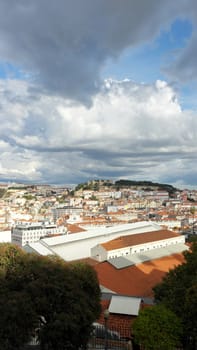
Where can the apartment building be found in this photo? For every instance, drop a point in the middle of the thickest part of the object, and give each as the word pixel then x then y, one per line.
pixel 22 234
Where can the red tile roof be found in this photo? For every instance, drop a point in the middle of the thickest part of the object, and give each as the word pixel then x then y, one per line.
pixel 135 239
pixel 136 280
pixel 73 228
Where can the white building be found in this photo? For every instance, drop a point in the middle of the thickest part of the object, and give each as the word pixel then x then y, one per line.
pixel 78 246
pixel 138 243
pixel 22 234
pixel 60 211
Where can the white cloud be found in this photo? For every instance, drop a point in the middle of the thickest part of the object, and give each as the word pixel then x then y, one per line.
pixel 47 133
pixel 132 130
pixel 64 45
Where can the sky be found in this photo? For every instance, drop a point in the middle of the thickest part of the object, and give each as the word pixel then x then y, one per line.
pixel 102 89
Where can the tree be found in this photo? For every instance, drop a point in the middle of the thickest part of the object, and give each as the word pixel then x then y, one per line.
pixel 157 328
pixel 17 316
pixel 178 292
pixel 9 256
pixel 59 300
pixel 18 319
pixel 191 307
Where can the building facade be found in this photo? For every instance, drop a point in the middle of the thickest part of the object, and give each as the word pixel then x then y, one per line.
pixel 22 234
pixel 133 244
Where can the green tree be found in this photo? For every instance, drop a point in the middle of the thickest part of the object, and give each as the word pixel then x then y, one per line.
pixel 178 292
pixel 157 328
pixel 58 299
pixel 17 315
pixel 18 319
pixel 9 257
pixel 29 197
pixel 2 192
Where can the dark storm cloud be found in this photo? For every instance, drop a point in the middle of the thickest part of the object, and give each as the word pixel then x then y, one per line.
pixel 184 67
pixel 63 45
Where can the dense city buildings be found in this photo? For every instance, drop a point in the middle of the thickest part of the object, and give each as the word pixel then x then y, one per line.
pixel 132 235
pixel 98 203
pixel 122 226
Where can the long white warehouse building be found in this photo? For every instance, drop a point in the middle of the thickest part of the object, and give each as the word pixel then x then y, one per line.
pixel 78 246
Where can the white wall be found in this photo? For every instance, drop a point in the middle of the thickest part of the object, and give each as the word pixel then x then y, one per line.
pixel 5 237
pixel 145 247
pixel 78 245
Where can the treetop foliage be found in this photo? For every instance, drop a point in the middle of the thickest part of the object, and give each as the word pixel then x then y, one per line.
pixel 129 183
pixel 172 321
pixel 45 296
pixel 95 185
pixel 156 328
pixel 178 292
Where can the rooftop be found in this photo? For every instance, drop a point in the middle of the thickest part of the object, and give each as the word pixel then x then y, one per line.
pixel 141 238
pixel 138 258
pixel 137 280
pixel 133 228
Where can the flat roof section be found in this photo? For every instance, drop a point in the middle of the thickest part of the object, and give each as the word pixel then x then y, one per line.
pixel 157 253
pixel 102 231
pixel 38 248
pixel 124 305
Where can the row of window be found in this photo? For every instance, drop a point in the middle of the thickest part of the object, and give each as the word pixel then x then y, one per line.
pixel 144 249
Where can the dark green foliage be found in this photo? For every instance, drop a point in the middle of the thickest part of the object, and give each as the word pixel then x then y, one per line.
pixel 29 197
pixel 157 328
pixel 147 184
pixel 2 192
pixel 178 291
pixel 60 300
pixel 94 186
pixel 17 319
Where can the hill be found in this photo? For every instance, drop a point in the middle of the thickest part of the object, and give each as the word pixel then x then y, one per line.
pixel 96 185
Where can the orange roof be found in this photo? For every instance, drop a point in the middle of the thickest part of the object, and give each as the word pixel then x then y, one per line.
pixel 73 228
pixel 140 238
pixel 136 280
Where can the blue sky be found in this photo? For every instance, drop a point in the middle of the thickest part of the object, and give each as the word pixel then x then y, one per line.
pixel 96 89
pixel 143 63
pixel 148 62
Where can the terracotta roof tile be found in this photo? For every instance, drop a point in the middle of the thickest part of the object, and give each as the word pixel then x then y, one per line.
pixel 136 280
pixel 135 239
pixel 73 228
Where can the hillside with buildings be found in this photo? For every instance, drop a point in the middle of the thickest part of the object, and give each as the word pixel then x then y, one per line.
pixel 122 225
pixel 132 234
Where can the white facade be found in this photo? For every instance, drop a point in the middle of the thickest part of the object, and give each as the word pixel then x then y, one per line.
pixel 27 233
pixel 140 248
pixel 5 236
pixel 65 210
pixel 79 245
pixel 101 254
pixel 170 223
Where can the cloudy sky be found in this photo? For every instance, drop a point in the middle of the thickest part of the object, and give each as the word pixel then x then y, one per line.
pixel 98 89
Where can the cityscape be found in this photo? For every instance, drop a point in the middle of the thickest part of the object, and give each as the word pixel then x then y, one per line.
pixel 98 175
pixel 124 229
pixel 63 221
